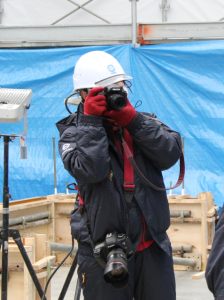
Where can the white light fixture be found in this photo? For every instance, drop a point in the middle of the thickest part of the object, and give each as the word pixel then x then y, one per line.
pixel 13 104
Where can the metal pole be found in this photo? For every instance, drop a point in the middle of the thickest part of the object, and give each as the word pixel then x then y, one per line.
pixel 55 167
pixel 1 11
pixel 58 247
pixel 164 7
pixel 29 218
pixel 134 21
pixel 5 233
pixel 190 262
pixel 5 212
pixel 180 213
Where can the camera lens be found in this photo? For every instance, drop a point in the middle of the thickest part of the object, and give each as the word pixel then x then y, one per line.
pixel 116 97
pixel 117 101
pixel 116 271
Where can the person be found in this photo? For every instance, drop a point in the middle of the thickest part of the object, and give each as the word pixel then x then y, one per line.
pixel 214 272
pixel 120 223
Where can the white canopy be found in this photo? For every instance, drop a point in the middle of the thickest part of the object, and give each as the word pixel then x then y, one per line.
pixel 96 22
pixel 85 12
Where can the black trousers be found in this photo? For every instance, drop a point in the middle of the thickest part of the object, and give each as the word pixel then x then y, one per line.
pixel 151 277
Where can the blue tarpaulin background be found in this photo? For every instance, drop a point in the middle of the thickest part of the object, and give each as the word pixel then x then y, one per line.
pixel 183 84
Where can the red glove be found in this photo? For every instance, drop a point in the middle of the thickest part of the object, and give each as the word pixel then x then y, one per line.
pixel 123 116
pixel 95 104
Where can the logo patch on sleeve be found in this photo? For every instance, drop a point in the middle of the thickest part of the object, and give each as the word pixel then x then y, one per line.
pixel 65 147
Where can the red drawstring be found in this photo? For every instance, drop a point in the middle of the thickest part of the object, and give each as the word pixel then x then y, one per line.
pixel 143 244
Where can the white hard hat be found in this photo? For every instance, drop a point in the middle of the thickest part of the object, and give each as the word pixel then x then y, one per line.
pixel 97 68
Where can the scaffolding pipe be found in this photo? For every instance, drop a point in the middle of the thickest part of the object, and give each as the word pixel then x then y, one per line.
pixel 134 21
pixel 25 219
pixel 88 11
pixel 71 12
pixel 32 224
pixel 190 262
pixel 180 213
pixel 164 7
pixel 58 247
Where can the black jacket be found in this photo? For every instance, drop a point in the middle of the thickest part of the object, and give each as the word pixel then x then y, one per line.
pixel 215 267
pixel 88 153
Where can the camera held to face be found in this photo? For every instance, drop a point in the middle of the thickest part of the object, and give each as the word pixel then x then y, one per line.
pixel 116 97
pixel 113 255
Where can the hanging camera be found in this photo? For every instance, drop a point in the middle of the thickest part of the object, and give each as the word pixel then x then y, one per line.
pixel 113 255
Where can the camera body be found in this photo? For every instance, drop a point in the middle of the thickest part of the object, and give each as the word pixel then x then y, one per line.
pixel 112 255
pixel 116 97
pixel 112 240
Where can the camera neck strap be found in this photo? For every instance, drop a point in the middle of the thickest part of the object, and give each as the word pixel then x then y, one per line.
pixel 129 177
pixel 130 166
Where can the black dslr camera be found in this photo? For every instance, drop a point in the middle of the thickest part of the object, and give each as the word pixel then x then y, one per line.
pixel 112 254
pixel 116 97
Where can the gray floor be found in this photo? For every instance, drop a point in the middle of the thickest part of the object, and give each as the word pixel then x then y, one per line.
pixel 187 288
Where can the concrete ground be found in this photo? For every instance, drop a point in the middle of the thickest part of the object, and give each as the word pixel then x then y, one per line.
pixel 187 288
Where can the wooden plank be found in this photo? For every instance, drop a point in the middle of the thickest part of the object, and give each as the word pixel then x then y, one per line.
pixel 29 288
pixel 44 262
pixel 198 275
pixel 198 230
pixel 51 228
pixel 15 286
pixel 69 198
pixel 62 227
pixel 42 276
pixel 16 278
pixel 204 229
pixel 186 196
pixel 41 246
pixel 23 206
pixel 185 234
pixel 27 200
pixel 188 201
pixel 41 252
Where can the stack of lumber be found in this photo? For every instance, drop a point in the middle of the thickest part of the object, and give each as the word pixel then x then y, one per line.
pixel 192 229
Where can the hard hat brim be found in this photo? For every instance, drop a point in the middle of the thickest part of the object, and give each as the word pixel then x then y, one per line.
pixel 113 79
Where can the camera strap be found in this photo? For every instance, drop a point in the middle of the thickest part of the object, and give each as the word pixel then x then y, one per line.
pixel 128 154
pixel 129 178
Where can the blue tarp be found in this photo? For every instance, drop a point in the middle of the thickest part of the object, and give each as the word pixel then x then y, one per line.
pixel 183 84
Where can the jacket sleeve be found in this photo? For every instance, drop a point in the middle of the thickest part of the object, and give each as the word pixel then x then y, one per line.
pixel 214 272
pixel 156 140
pixel 84 150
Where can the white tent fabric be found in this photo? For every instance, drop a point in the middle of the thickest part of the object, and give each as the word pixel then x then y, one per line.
pixel 81 12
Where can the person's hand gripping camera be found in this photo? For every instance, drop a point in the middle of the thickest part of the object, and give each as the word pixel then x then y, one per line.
pixel 95 103
pixel 123 116
pixel 98 103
